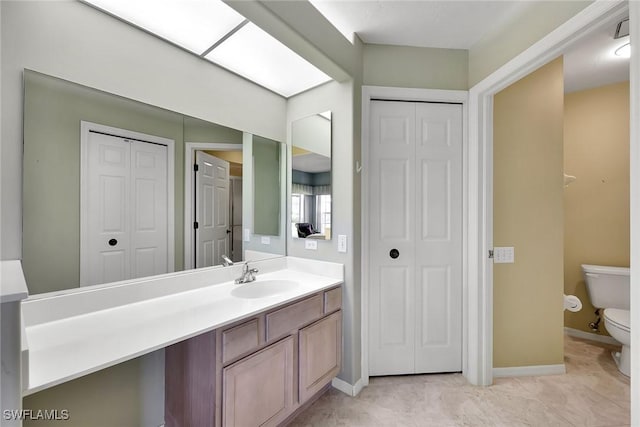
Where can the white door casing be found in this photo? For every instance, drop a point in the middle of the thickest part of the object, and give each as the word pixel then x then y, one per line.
pixel 126 204
pixel 212 210
pixel 415 209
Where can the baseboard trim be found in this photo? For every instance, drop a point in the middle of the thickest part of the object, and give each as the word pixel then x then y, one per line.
pixel 346 388
pixel 529 371
pixel 577 333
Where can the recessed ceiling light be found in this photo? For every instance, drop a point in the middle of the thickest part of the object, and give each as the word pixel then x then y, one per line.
pixel 624 51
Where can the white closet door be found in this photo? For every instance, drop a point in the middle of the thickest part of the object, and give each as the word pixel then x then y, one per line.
pixel 415 307
pixel 212 210
pixel 438 238
pixel 149 209
pixel 392 227
pixel 125 207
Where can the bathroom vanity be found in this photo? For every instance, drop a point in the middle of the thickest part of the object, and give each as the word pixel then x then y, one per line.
pixel 259 370
pixel 249 354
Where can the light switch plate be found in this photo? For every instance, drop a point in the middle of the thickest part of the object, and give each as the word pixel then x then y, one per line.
pixel 504 255
pixel 247 235
pixel 311 244
pixel 266 240
pixel 342 243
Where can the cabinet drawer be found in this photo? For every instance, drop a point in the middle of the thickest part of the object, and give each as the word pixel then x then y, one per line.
pixel 240 339
pixel 286 319
pixel 332 300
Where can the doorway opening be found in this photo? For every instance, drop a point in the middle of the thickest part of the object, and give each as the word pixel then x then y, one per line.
pixel 213 203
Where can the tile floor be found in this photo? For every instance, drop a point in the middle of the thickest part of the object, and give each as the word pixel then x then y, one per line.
pixel 591 393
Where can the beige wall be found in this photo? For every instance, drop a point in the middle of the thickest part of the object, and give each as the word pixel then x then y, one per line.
pixel 534 21
pixel 403 66
pixel 528 214
pixel 596 216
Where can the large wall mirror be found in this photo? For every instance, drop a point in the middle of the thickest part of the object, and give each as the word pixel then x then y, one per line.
pixel 109 186
pixel 311 177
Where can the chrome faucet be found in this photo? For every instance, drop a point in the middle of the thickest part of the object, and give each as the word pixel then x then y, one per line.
pixel 226 261
pixel 248 274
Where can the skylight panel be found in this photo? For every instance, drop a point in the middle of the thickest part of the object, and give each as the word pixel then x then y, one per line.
pixel 195 25
pixel 257 56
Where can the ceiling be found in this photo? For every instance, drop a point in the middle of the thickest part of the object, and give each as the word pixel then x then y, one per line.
pixel 588 63
pixel 591 62
pixel 439 24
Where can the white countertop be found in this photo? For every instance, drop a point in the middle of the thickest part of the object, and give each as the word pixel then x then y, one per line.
pixel 13 287
pixel 61 348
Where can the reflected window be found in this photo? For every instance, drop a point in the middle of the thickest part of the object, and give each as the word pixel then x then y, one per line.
pixel 324 202
pixel 297 208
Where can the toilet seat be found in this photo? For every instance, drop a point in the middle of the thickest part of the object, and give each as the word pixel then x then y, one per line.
pixel 621 319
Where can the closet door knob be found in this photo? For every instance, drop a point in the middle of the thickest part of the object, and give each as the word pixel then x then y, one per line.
pixel 394 253
pixel 113 242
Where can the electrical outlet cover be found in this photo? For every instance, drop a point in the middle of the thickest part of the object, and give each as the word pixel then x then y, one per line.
pixel 311 244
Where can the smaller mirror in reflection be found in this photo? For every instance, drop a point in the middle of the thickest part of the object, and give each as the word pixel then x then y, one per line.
pixel 311 177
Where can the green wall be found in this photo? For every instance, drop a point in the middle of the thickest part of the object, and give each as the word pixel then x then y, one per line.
pixel 266 184
pixel 420 67
pixel 53 109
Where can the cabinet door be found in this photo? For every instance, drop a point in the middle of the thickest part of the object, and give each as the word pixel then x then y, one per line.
pixel 320 354
pixel 258 390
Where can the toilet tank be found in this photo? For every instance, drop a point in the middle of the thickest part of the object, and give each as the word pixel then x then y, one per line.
pixel 608 287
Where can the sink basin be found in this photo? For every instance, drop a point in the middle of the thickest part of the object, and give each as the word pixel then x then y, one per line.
pixel 263 288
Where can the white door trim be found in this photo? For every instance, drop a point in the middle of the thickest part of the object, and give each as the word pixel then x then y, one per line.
pixel 480 271
pixel 634 143
pixel 190 149
pixel 370 93
pixel 85 128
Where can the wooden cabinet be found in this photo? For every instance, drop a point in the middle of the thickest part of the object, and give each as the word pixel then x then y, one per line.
pixel 259 389
pixel 320 354
pixel 259 370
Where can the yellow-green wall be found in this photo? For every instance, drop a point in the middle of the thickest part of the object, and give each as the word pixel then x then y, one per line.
pixel 528 215
pixel 596 216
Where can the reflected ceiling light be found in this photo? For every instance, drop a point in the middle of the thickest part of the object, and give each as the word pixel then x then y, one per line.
pixel 624 51
pixel 194 25
pixel 257 56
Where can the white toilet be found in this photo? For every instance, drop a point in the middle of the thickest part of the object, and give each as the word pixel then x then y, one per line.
pixel 609 288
